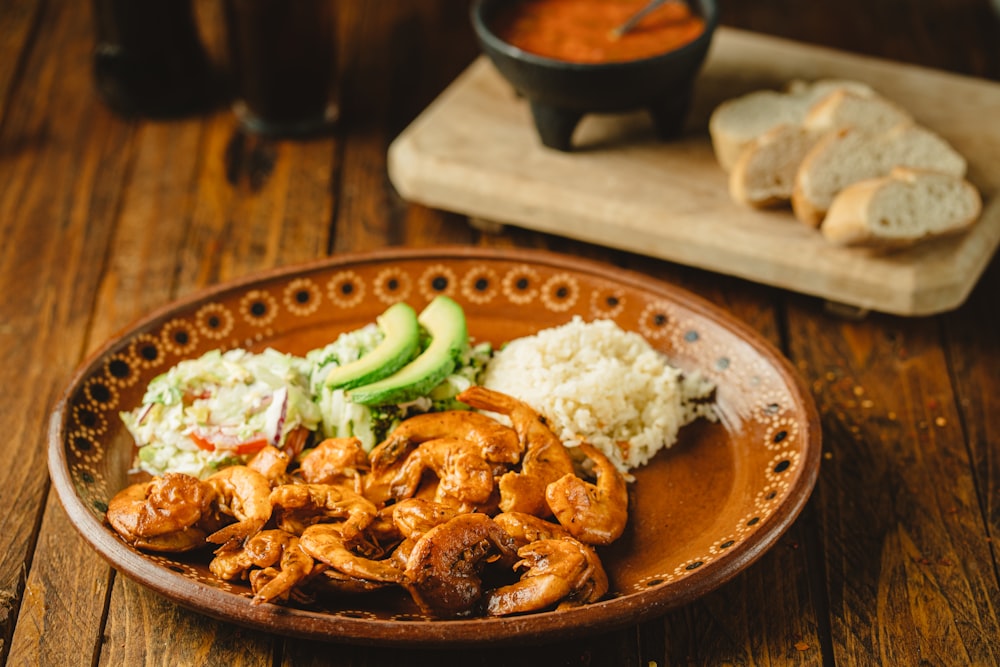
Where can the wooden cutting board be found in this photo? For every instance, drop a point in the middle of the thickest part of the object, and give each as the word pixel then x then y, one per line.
pixel 474 151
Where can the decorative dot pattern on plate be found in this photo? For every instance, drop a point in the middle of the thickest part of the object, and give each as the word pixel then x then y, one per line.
pixel 345 289
pixel 302 297
pixel 521 284
pixel 437 279
pixel 504 297
pixel 480 286
pixel 392 285
pixel 560 292
pixel 607 303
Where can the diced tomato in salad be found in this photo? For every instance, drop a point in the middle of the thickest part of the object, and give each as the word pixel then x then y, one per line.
pixel 240 448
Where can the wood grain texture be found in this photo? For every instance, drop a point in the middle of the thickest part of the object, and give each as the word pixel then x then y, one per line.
pixel 103 219
pixel 909 551
pixel 52 180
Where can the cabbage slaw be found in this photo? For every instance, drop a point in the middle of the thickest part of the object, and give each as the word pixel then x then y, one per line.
pixel 221 408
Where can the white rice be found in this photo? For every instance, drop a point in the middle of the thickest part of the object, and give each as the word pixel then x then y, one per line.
pixel 599 383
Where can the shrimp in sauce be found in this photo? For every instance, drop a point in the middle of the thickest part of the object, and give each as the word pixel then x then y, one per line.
pixel 527 529
pixel 326 543
pixel 553 570
pixel 462 473
pixel 244 494
pixel 298 506
pixel 266 549
pixel 336 461
pixel 272 463
pixel 546 459
pixel 443 572
pixel 496 442
pixel 165 514
pixel 413 517
pixel 592 513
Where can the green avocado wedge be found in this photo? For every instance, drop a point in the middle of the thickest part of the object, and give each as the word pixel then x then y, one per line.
pixel 444 322
pixel 400 344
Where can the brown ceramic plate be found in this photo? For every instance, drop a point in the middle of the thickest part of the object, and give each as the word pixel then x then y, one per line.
pixel 700 512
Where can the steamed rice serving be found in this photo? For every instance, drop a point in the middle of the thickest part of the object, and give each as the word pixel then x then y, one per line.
pixel 599 383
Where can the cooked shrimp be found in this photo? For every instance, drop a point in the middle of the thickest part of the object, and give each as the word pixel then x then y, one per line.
pixel 378 485
pixel 326 542
pixel 526 529
pixel 496 442
pixel 592 513
pixel 443 572
pixel 545 460
pixel 335 461
pixel 462 472
pixel 296 441
pixel 412 518
pixel 294 566
pixel 382 532
pixel 272 463
pixel 164 514
pixel 260 579
pixel 266 549
pixel 297 506
pixel 415 516
pixel 554 569
pixel 242 493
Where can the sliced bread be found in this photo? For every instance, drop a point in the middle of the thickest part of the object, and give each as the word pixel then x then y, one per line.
pixel 764 173
pixel 847 156
pixel 901 209
pixel 738 121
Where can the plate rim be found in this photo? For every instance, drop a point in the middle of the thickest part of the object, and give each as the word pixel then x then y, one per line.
pixel 537 627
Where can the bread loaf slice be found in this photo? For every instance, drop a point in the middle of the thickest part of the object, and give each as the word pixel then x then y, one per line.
pixel 764 173
pixel 738 121
pixel 847 156
pixel 901 209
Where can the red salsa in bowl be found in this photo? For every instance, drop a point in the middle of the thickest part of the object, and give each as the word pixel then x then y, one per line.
pixel 581 31
pixel 562 57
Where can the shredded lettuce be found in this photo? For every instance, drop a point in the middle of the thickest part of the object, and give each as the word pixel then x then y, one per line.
pixel 217 410
pixel 205 413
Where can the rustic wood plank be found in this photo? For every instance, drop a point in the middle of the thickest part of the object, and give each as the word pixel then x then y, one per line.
pixel 766 615
pixel 612 648
pixel 62 613
pixel 905 559
pixel 54 180
pixel 154 631
pixel 258 203
pixel 422 46
pixel 150 226
pixel 19 19
pixel 972 348
pixel 934 34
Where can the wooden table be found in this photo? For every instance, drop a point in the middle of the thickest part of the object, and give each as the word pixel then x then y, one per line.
pixel 895 559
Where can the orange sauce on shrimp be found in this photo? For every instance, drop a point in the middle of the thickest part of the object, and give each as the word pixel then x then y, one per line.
pixel 579 31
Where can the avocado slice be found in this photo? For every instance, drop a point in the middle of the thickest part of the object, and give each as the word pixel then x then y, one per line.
pixel 445 323
pixel 400 344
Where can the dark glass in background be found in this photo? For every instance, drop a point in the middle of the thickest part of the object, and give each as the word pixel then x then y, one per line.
pixel 282 61
pixel 149 59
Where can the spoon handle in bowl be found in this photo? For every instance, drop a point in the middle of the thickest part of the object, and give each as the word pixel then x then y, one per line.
pixel 653 5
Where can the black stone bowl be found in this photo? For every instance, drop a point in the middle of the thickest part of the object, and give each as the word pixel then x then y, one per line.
pixel 561 93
